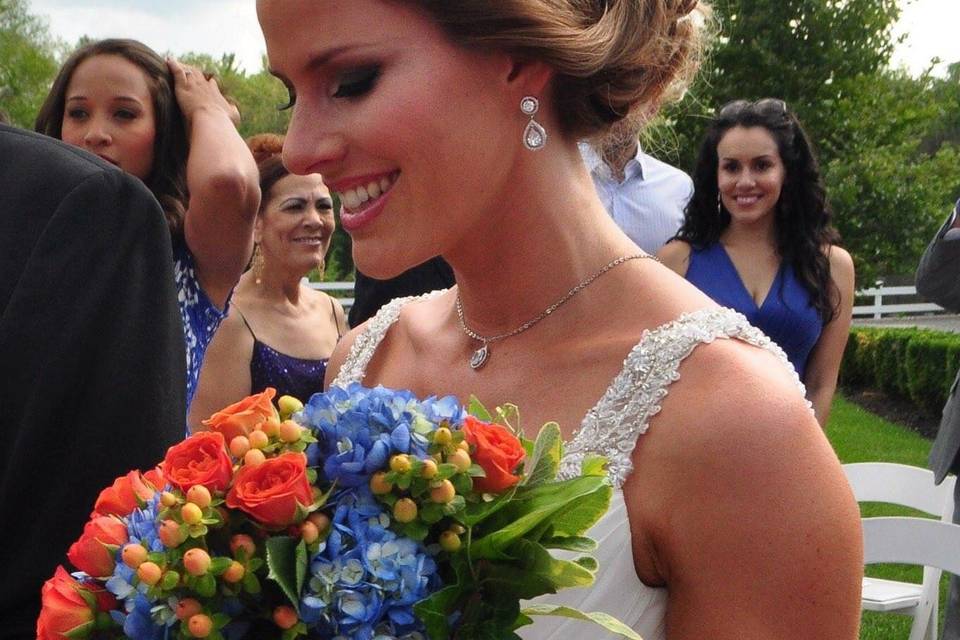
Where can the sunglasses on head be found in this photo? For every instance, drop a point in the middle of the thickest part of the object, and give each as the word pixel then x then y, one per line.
pixel 764 105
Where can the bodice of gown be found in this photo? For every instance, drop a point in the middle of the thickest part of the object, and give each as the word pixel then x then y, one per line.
pixel 610 429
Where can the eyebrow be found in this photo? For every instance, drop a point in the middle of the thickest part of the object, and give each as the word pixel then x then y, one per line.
pixel 320 60
pixel 115 99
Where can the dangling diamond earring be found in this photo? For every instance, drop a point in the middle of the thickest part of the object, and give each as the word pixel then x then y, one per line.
pixel 534 136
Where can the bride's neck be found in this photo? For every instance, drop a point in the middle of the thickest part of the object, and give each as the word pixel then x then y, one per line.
pixel 550 231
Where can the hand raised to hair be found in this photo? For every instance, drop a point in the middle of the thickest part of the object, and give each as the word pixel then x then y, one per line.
pixel 196 92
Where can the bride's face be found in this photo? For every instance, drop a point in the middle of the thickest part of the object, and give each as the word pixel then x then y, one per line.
pixel 414 132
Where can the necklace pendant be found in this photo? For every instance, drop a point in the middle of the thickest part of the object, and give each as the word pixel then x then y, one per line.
pixel 479 357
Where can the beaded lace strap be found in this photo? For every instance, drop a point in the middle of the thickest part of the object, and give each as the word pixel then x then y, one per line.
pixel 354 367
pixel 612 427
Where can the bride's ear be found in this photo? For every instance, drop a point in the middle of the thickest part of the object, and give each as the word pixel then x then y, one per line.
pixel 529 77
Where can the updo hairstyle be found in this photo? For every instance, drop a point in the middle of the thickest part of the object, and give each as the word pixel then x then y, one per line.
pixel 612 57
pixel 266 149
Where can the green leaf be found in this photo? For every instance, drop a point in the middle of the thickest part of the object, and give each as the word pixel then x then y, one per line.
pixel 431 513
pixel 535 560
pixel 477 410
pixel 462 483
pixel 578 502
pixel 570 543
pixel 251 584
pixel 476 513
pixel 206 585
pixel 435 610
pixel 219 565
pixel 547 452
pixel 220 620
pixel 588 562
pixel 287 564
pixel 81 631
pixel 606 621
pixel 593 466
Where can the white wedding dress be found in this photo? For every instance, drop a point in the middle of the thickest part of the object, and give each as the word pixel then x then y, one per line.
pixel 611 429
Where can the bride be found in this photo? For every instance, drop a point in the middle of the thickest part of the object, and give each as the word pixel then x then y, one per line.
pixel 451 128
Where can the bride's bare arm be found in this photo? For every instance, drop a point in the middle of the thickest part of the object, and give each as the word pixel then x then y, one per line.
pixel 741 507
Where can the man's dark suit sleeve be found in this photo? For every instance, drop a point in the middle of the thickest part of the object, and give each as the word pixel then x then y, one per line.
pixel 91 374
pixel 938 275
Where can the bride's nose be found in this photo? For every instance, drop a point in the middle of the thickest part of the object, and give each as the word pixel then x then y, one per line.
pixel 312 145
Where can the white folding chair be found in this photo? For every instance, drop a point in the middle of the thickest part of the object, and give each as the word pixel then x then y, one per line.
pixel 911 487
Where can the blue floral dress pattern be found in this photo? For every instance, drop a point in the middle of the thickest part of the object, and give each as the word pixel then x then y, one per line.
pixel 200 316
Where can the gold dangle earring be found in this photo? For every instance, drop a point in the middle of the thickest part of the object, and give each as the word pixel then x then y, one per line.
pixel 534 136
pixel 256 264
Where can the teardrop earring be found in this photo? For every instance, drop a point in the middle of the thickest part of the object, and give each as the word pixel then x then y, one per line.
pixel 534 136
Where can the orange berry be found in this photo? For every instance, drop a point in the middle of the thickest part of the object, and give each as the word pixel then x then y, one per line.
pixel 170 534
pixel 460 459
pixel 321 520
pixel 442 436
pixel 379 485
pixel 134 555
pixel 443 492
pixel 463 444
pixel 234 573
pixel 239 446
pixel 285 617
pixel 258 439
pixel 400 463
pixel 168 499
pixel 200 625
pixel 288 405
pixel 191 513
pixel 149 573
pixel 270 427
pixel 242 541
pixel 289 431
pixel 309 532
pixel 187 608
pixel 254 457
pixel 405 510
pixel 429 469
pixel 450 541
pixel 196 561
pixel 199 495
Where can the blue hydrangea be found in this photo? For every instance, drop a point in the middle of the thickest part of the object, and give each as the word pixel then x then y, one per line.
pixel 364 580
pixel 359 428
pixel 141 618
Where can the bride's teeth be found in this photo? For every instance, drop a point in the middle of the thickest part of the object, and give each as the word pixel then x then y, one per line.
pixel 374 190
pixel 384 185
pixel 362 193
pixel 350 199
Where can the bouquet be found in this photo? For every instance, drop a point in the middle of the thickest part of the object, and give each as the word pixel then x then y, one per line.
pixel 365 514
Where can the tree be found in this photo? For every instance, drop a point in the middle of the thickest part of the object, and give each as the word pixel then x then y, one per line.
pixel 28 62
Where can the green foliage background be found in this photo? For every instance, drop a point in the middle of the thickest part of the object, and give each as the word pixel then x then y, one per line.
pixel 888 142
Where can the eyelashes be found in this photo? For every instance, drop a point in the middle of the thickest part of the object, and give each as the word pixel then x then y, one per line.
pixel 353 83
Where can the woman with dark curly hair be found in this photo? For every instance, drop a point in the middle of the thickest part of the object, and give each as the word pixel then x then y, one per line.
pixel 757 238
pixel 168 124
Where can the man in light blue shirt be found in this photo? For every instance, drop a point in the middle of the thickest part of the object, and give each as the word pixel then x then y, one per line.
pixel 643 195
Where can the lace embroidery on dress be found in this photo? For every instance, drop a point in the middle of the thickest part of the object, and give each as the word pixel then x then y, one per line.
pixel 622 415
pixel 612 426
pixel 354 366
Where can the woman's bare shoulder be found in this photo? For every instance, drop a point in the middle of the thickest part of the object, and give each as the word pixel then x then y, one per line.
pixel 675 255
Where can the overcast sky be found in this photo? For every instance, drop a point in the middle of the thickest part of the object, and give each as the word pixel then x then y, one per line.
pixel 218 26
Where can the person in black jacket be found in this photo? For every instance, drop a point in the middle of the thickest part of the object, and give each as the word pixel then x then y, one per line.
pixel 370 294
pixel 91 352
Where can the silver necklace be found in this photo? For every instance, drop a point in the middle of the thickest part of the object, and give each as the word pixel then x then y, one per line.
pixel 481 355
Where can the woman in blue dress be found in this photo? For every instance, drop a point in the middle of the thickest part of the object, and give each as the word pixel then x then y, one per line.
pixel 280 332
pixel 168 124
pixel 757 238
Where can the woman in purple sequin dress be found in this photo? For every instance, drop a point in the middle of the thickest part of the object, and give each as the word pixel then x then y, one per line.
pixel 279 332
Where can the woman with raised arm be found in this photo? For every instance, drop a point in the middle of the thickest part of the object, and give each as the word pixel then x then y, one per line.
pixel 451 128
pixel 168 124
pixel 757 238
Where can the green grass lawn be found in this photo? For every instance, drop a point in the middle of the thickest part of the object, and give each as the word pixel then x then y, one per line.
pixel 860 436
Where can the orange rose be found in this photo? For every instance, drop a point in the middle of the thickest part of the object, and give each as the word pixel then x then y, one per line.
pixel 200 459
pixel 240 418
pixel 497 451
pixel 127 493
pixel 95 552
pixel 64 608
pixel 271 491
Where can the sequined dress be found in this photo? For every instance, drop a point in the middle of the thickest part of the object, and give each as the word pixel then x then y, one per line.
pixel 611 429
pixel 200 316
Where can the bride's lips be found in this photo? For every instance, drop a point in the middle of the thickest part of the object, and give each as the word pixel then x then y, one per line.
pixel 363 198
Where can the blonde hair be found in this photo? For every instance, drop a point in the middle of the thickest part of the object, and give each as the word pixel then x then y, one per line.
pixel 613 58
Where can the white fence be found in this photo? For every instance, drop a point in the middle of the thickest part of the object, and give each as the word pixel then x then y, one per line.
pixel 877 309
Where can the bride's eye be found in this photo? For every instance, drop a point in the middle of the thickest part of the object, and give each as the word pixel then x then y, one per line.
pixel 357 82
